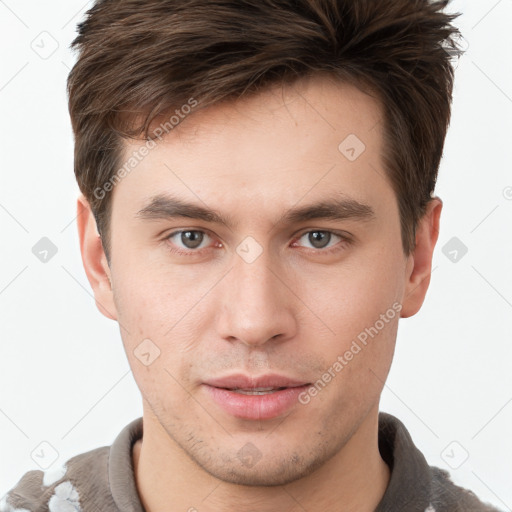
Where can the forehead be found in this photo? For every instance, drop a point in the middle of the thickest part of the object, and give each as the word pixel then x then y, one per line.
pixel 288 143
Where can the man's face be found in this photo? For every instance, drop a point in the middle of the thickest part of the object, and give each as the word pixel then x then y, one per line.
pixel 268 292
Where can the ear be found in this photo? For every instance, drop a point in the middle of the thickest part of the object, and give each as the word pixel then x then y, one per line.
pixel 94 259
pixel 419 263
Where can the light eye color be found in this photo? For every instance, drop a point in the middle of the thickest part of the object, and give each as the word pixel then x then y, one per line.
pixel 320 239
pixel 188 239
pixel 194 241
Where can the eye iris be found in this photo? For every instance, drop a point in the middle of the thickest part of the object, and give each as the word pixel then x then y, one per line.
pixel 319 239
pixel 191 239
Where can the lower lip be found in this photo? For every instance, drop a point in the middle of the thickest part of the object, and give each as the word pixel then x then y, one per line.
pixel 256 407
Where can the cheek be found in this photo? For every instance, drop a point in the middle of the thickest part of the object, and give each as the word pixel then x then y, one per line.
pixel 353 296
pixel 149 316
pixel 158 313
pixel 361 304
pixel 152 299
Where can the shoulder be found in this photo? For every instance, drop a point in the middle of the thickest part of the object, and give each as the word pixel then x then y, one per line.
pixel 446 496
pixel 58 489
pixel 414 484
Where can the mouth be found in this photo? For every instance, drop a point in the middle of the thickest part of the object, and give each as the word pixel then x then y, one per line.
pixel 255 391
pixel 264 383
pixel 255 398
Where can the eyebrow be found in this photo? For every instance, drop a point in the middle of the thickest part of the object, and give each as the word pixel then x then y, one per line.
pixel 162 207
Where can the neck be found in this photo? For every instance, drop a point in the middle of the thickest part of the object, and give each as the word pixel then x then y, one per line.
pixel 354 479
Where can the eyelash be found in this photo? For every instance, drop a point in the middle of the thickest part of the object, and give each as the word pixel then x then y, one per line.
pixel 345 240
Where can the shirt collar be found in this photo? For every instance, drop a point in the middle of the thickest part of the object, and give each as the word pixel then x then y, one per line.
pixel 409 485
pixel 408 488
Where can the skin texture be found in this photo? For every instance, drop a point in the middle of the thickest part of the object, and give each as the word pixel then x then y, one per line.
pixel 291 311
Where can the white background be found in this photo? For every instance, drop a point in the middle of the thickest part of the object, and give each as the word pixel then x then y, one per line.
pixel 64 377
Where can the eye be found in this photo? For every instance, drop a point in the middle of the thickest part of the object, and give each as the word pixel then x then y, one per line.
pixel 189 240
pixel 320 239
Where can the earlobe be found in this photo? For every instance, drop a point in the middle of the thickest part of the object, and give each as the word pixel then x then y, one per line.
pixel 94 259
pixel 419 264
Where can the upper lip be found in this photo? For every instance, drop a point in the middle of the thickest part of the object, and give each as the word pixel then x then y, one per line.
pixel 242 381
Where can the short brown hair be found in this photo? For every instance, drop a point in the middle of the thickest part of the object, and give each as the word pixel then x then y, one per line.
pixel 141 59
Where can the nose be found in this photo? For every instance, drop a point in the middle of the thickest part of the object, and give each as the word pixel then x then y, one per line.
pixel 256 303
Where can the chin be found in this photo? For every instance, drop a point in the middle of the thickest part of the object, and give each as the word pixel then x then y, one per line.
pixel 244 470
